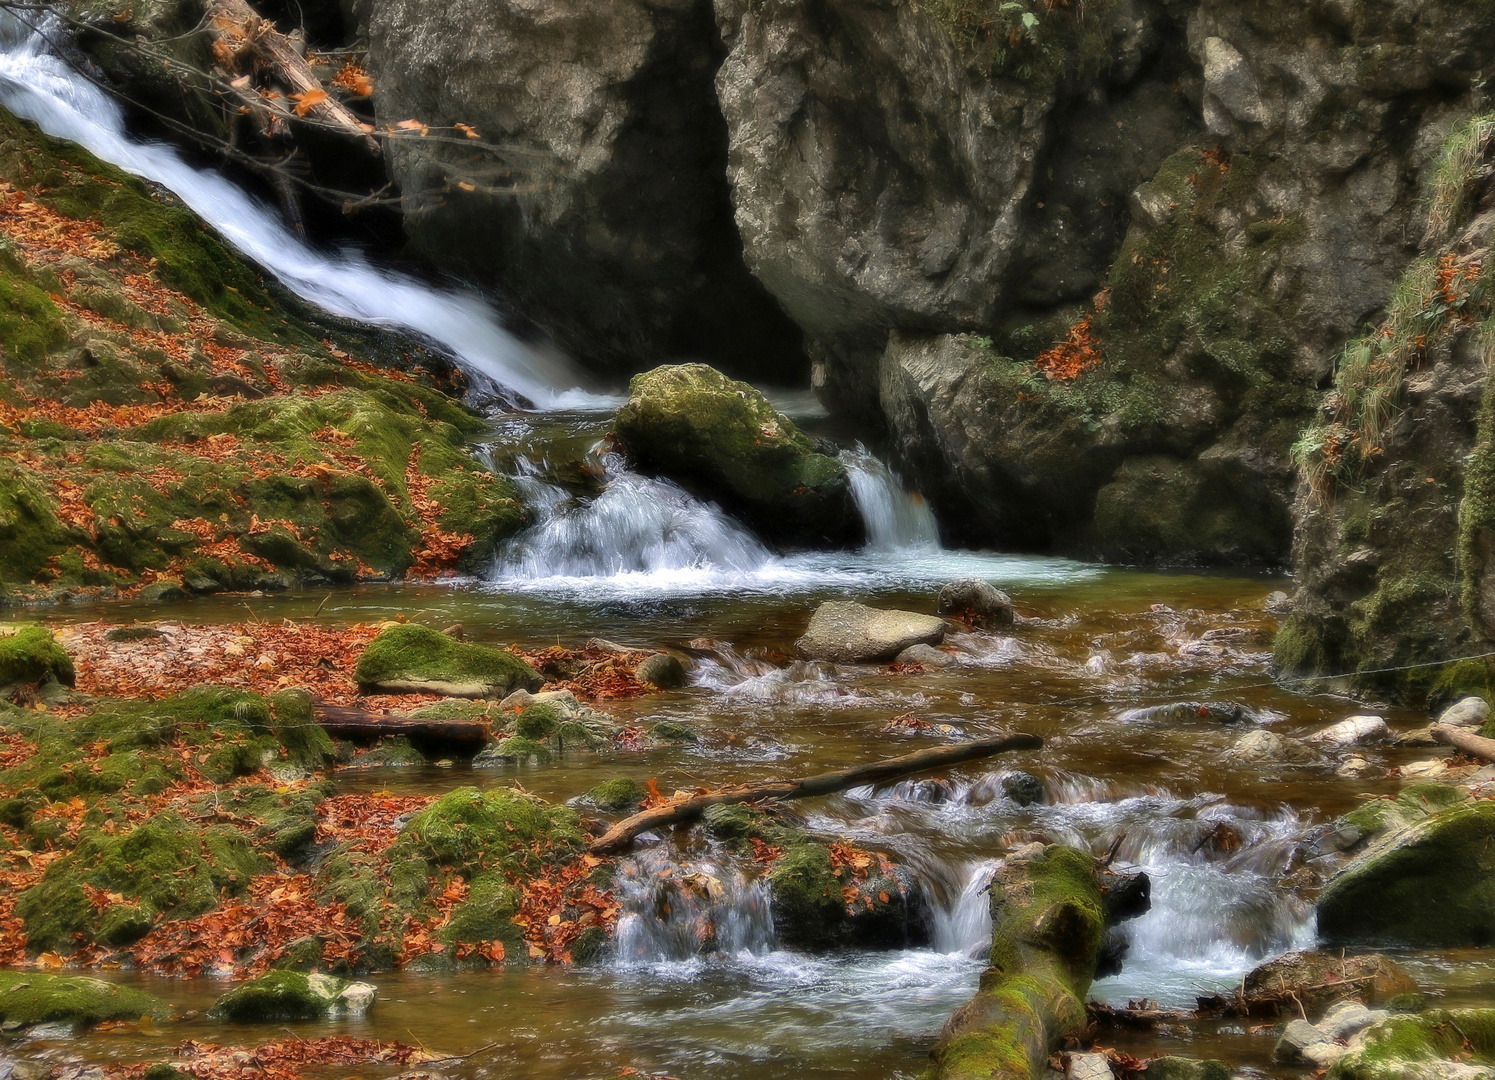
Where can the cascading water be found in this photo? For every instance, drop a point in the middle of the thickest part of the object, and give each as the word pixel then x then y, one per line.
pixel 40 86
pixel 895 519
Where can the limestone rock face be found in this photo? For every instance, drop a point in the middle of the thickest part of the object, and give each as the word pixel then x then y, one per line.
pixel 595 201
pixel 722 440
pixel 844 632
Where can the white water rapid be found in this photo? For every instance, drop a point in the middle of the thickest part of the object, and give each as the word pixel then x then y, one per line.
pixel 40 86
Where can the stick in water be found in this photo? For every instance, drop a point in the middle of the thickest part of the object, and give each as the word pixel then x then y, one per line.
pixel 623 833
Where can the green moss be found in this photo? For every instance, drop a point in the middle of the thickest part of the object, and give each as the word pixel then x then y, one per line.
pixel 487 915
pixel 624 794
pixel 29 998
pixel 1434 887
pixel 397 751
pixel 474 832
pixel 1299 648
pixel 412 654
pixel 1184 1068
pixel 672 731
pixel 168 865
pixel 1047 923
pixel 1041 46
pixel 1407 1045
pixel 30 324
pixel 279 996
pixel 806 897
pixel 32 655
pixel 537 722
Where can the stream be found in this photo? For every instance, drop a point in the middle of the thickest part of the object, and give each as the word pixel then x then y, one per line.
pixel 1109 665
pixel 1117 670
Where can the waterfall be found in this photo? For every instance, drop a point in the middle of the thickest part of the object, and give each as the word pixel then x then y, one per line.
pixel 895 519
pixel 41 87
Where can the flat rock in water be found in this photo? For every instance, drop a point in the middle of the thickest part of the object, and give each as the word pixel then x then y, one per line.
pixel 1304 1044
pixel 925 656
pixel 1269 747
pixel 845 632
pixel 1349 1018
pixel 1353 731
pixel 1088 1067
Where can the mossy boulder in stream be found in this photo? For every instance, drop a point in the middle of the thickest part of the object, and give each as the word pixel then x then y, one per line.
pixel 474 832
pixel 1440 1044
pixel 417 659
pixel 30 998
pixel 722 440
pixel 1047 924
pixel 821 902
pixel 1430 885
pixel 32 655
pixel 278 996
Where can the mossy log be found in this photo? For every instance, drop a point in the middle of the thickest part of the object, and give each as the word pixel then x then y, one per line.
pixel 1048 920
pixel 622 834
pixel 361 725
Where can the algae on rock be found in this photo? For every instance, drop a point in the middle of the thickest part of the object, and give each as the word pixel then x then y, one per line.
pixel 416 659
pixel 28 998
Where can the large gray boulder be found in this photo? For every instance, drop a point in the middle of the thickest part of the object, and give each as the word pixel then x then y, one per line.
pixel 722 440
pixel 595 200
pixel 845 632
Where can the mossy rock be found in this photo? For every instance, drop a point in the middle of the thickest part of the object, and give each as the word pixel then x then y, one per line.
pixel 511 751
pixel 33 654
pixel 417 659
pixel 723 441
pixel 1404 1046
pixel 303 954
pixel 475 832
pixel 672 731
pixel 397 751
pixel 280 996
pixel 1169 1067
pixel 806 897
pixel 31 998
pixel 622 795
pixel 537 722
pixel 167 865
pixel 487 915
pixel 1431 885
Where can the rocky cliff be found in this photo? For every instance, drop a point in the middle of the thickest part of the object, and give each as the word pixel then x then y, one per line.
pixel 1083 268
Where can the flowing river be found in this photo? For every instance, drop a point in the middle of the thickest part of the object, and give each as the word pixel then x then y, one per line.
pixel 1138 683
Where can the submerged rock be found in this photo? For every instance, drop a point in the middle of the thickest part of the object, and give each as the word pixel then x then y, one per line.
pixel 1268 746
pixel 845 632
pixel 976 603
pixel 30 998
pixel 279 996
pixel 416 659
pixel 925 656
pixel 1024 788
pixel 661 670
pixel 623 795
pixel 1430 885
pixel 722 440
pixel 1170 1067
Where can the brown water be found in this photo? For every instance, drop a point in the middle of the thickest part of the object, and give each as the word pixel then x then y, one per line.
pixel 1093 649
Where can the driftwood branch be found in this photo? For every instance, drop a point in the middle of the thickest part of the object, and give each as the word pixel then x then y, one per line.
pixel 359 725
pixel 623 833
pixel 237 29
pixel 1465 740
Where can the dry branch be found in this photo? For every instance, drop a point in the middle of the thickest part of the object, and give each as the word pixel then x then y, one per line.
pixel 1465 740
pixel 236 28
pixel 672 813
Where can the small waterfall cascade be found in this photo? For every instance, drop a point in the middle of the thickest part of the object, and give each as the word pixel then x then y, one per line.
pixel 634 526
pixel 651 530
pixel 896 519
pixel 679 911
pixel 41 87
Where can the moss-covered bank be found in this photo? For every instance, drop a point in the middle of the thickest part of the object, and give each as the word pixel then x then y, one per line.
pixel 169 421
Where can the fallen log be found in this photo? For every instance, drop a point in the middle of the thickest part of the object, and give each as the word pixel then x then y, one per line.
pixel 361 725
pixel 1465 740
pixel 623 833
pixel 236 28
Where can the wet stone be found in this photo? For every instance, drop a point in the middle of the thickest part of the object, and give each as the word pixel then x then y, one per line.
pixel 1024 788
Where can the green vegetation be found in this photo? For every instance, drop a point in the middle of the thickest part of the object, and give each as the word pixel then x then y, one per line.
pixel 1047 923
pixel 623 795
pixel 1409 1045
pixel 1041 45
pixel 279 996
pixel 411 655
pixel 28 998
pixel 31 655
pixel 474 832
